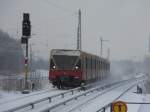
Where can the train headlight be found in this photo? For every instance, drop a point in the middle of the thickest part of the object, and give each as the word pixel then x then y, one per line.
pixel 76 67
pixel 54 67
pixel 76 77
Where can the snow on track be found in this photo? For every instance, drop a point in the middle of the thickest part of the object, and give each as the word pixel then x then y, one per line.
pixel 28 98
pixel 145 107
pixel 89 103
pixel 19 96
pixel 99 101
pixel 132 97
pixel 11 100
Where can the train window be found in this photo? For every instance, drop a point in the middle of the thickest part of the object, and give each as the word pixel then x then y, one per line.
pixel 99 64
pixel 86 61
pixel 95 63
pixel 90 70
pixel 86 67
pixel 91 64
pixel 65 61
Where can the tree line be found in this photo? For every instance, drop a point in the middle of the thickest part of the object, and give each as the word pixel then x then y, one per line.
pixel 11 54
pixel 12 57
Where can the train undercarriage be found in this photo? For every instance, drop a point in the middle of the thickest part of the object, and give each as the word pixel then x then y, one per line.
pixel 66 82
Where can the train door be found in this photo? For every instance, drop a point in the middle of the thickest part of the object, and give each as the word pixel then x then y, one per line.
pixel 89 68
pixel 102 70
pixel 84 67
pixel 96 72
pixel 92 71
pixel 100 76
pixel 98 68
pixel 92 67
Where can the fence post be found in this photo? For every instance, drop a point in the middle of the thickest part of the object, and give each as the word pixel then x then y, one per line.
pixel 111 108
pixel 62 95
pixel 49 99
pixel 104 109
pixel 32 105
pixel 72 92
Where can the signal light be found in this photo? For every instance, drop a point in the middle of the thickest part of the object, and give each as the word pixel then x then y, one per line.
pixel 26 61
pixel 54 67
pixel 26 26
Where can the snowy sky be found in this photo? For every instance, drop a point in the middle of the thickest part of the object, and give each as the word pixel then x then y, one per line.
pixel 126 23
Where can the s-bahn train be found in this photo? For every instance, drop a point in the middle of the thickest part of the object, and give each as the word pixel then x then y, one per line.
pixel 72 68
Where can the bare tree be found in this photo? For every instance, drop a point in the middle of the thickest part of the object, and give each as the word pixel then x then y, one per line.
pixel 11 55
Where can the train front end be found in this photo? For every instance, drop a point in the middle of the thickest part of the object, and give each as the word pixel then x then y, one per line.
pixel 65 68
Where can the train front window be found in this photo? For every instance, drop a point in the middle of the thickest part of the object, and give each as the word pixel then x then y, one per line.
pixel 65 62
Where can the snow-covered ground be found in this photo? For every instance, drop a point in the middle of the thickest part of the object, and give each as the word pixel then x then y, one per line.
pixel 21 99
pixel 14 95
pixel 145 107
pixel 90 103
pixel 8 103
pixel 5 96
pixel 132 97
pixel 102 100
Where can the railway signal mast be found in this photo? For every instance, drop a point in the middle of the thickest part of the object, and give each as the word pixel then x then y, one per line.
pixel 79 47
pixel 102 40
pixel 26 34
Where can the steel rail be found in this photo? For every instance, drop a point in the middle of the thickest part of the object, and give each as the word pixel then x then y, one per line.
pixel 62 95
pixel 109 105
pixel 96 96
pixel 137 102
pixel 22 97
pixel 47 109
pixel 48 98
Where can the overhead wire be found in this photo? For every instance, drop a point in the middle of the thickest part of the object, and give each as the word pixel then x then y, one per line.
pixel 60 7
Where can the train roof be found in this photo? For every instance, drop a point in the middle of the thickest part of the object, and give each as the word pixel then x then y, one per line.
pixel 68 52
pixel 72 52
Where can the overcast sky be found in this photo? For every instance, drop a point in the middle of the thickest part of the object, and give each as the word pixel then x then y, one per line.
pixel 125 23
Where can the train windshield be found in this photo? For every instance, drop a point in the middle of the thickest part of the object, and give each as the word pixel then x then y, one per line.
pixel 64 61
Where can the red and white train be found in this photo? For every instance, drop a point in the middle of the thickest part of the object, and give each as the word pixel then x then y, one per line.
pixel 72 68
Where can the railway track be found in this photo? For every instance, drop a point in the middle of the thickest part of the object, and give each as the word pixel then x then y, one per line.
pixel 102 94
pixel 102 97
pixel 28 95
pixel 16 102
pixel 36 98
pixel 44 92
pixel 70 104
pixel 57 99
